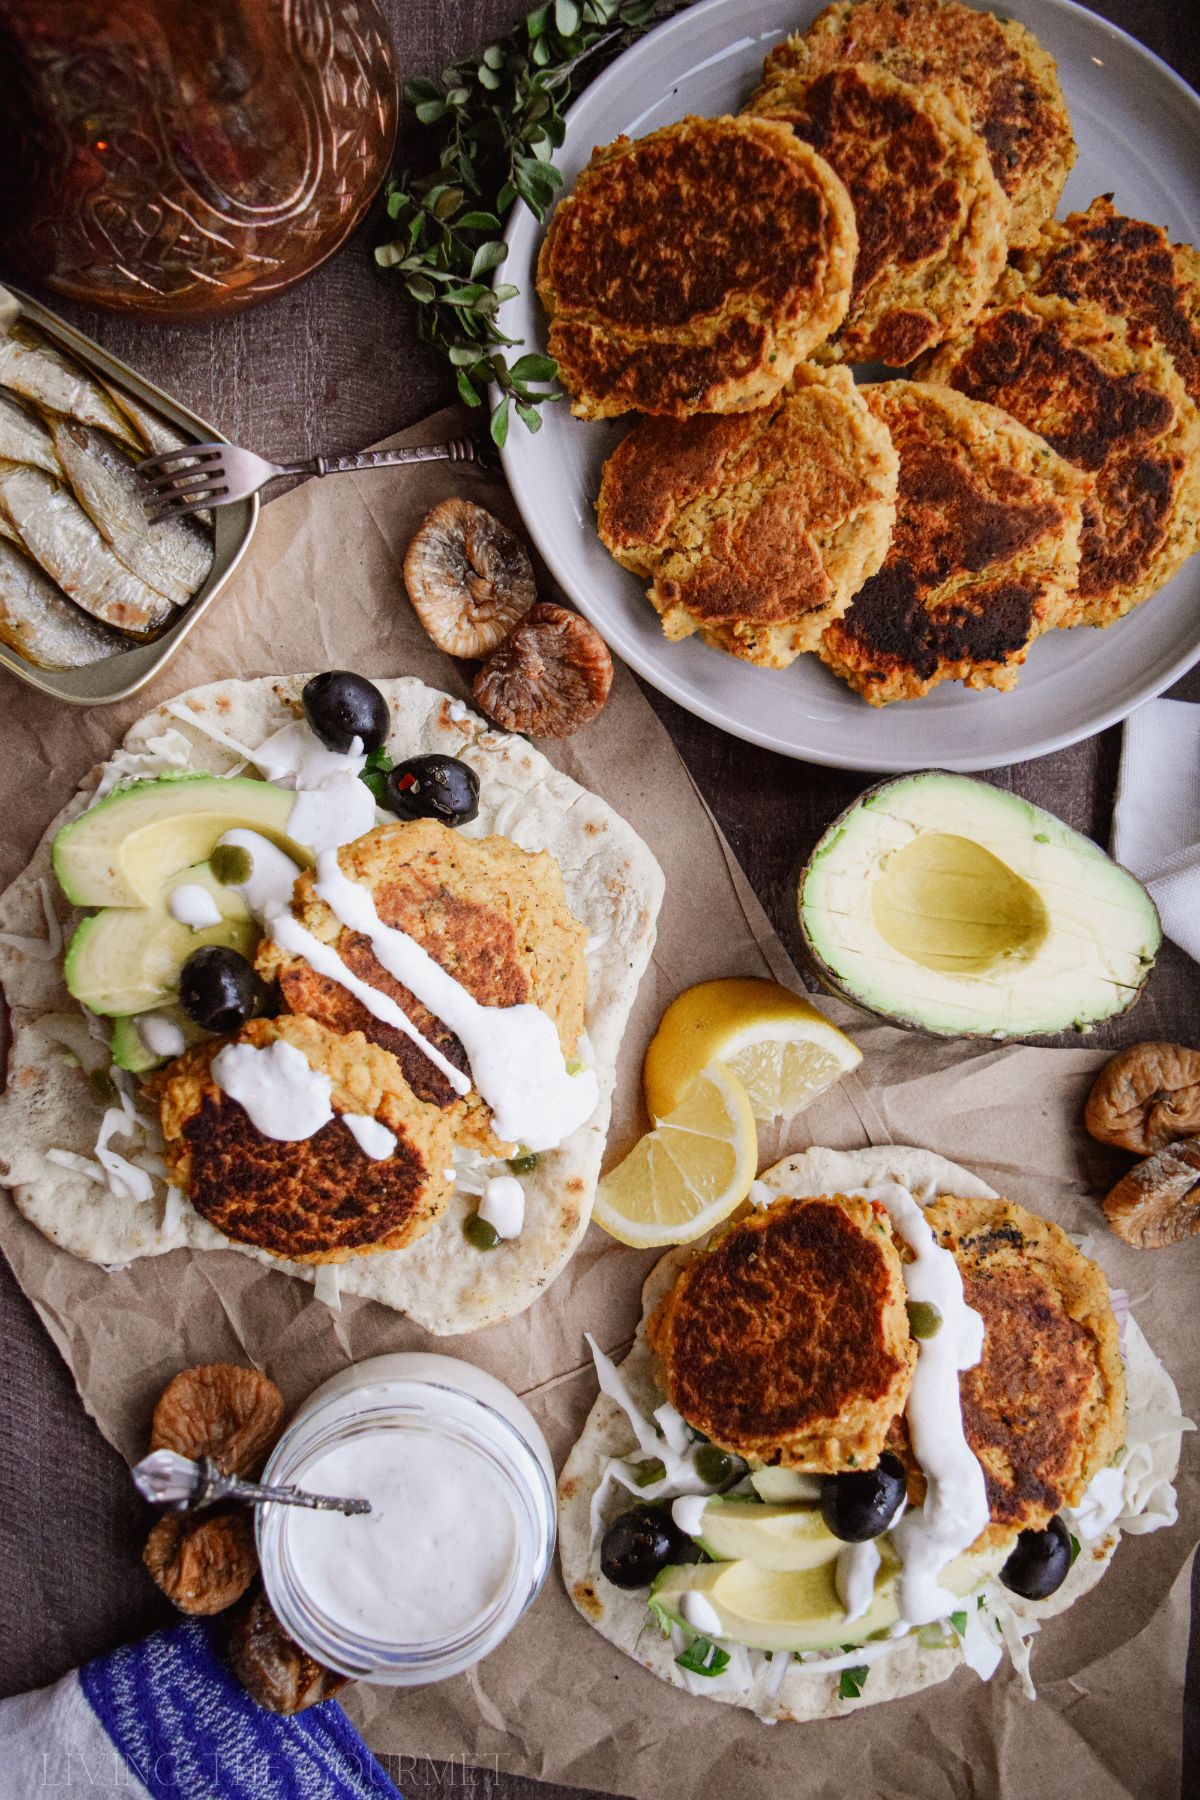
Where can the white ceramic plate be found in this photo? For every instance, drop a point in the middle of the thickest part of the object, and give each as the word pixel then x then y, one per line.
pixel 1138 126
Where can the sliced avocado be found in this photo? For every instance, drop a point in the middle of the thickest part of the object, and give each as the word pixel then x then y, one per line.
pixel 799 1609
pixel 785 1484
pixel 129 1048
pixel 122 851
pixel 777 1609
pixel 127 959
pixel 951 907
pixel 773 1537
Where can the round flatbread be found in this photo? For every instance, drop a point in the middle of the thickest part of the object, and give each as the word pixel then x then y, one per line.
pixel 50 1114
pixel 805 1692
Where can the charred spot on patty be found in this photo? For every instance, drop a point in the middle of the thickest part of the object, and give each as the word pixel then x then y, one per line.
pixel 300 1199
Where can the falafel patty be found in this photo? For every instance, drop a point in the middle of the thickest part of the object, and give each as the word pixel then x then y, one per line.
pixel 993 68
pixel 1045 1408
pixel 1126 267
pixel 755 530
pixel 691 270
pixel 1111 401
pixel 787 1338
pixel 985 554
pixel 932 219
pixel 322 1198
pixel 493 916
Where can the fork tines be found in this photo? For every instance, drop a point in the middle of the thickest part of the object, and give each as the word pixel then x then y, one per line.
pixel 183 481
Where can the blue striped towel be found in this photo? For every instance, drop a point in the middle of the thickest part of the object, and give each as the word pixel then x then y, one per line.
pixel 166 1718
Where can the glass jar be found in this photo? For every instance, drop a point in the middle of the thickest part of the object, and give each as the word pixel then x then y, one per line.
pixel 426 1407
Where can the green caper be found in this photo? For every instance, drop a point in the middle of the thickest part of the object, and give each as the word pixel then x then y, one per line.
pixel 525 1163
pixel 924 1319
pixel 231 864
pixel 104 1087
pixel 479 1232
pixel 713 1465
pixel 647 1473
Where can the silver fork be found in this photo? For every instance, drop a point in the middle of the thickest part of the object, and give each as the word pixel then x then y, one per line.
pixel 205 475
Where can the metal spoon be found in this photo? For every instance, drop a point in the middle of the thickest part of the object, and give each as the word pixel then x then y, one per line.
pixel 176 1482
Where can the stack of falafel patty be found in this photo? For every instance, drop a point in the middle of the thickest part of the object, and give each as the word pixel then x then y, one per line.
pixel 885 198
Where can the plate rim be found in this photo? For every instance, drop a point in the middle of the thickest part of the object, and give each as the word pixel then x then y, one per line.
pixel 649 667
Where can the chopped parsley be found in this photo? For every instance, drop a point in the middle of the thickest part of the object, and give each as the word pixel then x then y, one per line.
pixel 703 1657
pixel 959 1622
pixel 1074 1547
pixel 374 774
pixel 853 1682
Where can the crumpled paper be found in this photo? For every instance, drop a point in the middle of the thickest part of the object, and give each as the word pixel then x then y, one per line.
pixel 321 588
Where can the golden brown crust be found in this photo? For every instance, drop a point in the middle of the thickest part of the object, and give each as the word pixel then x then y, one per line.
pixel 1126 267
pixel 1112 404
pixel 321 1199
pixel 984 557
pixel 690 270
pixel 932 219
pixel 1045 1408
pixel 493 916
pixel 995 68
pixel 787 1338
pixel 755 530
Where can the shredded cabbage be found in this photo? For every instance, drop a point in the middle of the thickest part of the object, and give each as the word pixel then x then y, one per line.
pixel 327 1286
pixel 169 750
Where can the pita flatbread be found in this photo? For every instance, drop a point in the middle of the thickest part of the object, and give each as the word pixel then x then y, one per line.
pixel 613 886
pixel 805 1692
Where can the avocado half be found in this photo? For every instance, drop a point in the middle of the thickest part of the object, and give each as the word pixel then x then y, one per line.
pixel 948 906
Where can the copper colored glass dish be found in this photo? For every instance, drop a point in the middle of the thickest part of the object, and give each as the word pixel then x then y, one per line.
pixel 180 159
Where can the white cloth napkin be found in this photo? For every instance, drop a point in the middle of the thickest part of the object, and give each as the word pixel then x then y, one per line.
pixel 1156 822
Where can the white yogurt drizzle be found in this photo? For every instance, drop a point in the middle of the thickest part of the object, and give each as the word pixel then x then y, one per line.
pixel 193 905
pixel 955 1509
pixel 854 1577
pixel 516 1061
pixel 285 1097
pixel 373 1138
pixel 688 1513
pixel 700 1613
pixel 161 1036
pixel 332 806
pixel 503 1206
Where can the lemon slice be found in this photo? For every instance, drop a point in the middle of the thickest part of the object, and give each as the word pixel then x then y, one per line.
pixel 687 1174
pixel 782 1050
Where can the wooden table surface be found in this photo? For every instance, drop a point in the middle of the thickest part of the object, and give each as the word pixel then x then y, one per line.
pixel 333 366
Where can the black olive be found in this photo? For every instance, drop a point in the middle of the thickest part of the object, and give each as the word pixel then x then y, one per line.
pixel 220 990
pixel 433 787
pixel 861 1503
pixel 639 1543
pixel 340 706
pixel 1039 1562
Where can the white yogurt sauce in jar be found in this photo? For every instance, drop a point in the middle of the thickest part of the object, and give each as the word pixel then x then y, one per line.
pixel 461 1529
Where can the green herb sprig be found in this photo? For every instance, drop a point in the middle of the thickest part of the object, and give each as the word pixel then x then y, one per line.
pixel 497 119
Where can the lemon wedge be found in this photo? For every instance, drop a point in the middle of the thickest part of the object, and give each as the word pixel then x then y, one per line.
pixel 687 1174
pixel 782 1050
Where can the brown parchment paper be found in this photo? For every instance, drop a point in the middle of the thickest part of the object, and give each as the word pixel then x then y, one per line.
pixel 322 588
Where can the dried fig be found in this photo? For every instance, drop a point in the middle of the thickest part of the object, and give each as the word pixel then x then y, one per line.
pixel 468 577
pixel 1146 1098
pixel 205 1562
pixel 274 1671
pixel 220 1410
pixel 1158 1202
pixel 551 677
